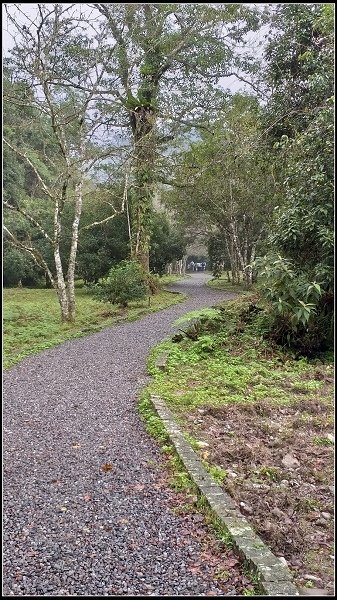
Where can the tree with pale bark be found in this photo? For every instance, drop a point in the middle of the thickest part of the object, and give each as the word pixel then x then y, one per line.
pixel 224 183
pixel 55 71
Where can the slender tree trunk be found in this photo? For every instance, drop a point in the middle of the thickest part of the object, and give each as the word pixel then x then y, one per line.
pixel 249 268
pixel 60 282
pixel 237 245
pixel 73 252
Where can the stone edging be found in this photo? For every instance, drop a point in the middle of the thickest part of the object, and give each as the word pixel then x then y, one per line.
pixel 274 577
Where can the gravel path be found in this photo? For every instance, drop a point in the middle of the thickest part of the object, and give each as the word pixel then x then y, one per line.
pixel 69 527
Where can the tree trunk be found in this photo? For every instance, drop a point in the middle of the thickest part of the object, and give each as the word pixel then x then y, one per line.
pixel 73 252
pixel 60 283
pixel 249 268
pixel 143 120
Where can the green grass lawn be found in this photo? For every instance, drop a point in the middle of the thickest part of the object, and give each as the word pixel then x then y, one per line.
pixel 222 283
pixel 31 318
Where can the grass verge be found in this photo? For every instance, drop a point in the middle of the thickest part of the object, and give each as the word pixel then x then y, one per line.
pixel 262 420
pixel 31 318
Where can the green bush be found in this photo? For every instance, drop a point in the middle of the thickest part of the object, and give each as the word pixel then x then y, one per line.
pixel 299 315
pixel 125 282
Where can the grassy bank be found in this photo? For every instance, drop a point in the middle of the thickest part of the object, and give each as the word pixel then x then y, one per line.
pixel 32 318
pixel 222 283
pixel 262 422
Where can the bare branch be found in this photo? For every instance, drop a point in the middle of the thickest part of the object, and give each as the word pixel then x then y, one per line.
pixel 23 155
pixel 33 252
pixel 29 218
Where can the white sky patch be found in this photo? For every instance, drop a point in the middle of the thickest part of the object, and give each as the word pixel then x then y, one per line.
pixel 27 13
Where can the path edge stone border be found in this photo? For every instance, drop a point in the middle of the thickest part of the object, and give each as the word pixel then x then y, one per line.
pixel 274 578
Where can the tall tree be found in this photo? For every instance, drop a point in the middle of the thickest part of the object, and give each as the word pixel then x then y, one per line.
pixel 165 73
pixel 225 184
pixel 300 69
pixel 56 70
pixel 300 63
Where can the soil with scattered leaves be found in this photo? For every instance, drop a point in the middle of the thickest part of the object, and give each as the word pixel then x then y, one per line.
pixel 279 466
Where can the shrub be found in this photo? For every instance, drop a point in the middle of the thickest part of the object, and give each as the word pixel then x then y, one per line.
pixel 297 306
pixel 125 282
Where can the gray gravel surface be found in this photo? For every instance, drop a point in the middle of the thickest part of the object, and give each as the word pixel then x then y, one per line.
pixel 69 527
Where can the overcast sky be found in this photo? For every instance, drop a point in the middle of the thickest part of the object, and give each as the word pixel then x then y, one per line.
pixel 232 83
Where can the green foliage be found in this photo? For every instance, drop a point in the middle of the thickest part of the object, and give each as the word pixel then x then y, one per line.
pixel 300 65
pixel 303 226
pixel 125 282
pixel 299 314
pixel 299 119
pixel 167 243
pixel 19 267
pixel 104 245
pixel 289 294
pixel 217 255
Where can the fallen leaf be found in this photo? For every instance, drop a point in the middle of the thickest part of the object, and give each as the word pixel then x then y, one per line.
pixel 231 562
pixel 106 467
pixel 137 487
pixel 87 497
pixel 63 508
pixel 76 445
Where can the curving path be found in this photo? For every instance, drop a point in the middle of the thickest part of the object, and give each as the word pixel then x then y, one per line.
pixel 69 527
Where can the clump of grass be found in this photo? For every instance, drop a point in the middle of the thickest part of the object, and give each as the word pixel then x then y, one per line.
pixel 322 441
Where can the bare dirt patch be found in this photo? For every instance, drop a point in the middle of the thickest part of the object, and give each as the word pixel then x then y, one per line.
pixel 279 465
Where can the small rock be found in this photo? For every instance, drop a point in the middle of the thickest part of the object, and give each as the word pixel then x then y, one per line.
pixel 294 483
pixel 290 461
pixel 313 592
pixel 330 437
pixel 312 578
pixel 283 560
pixel 332 489
pixel 246 509
pixel 326 516
pixel 203 444
pixel 321 522
pixel 201 411
pixel 277 513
